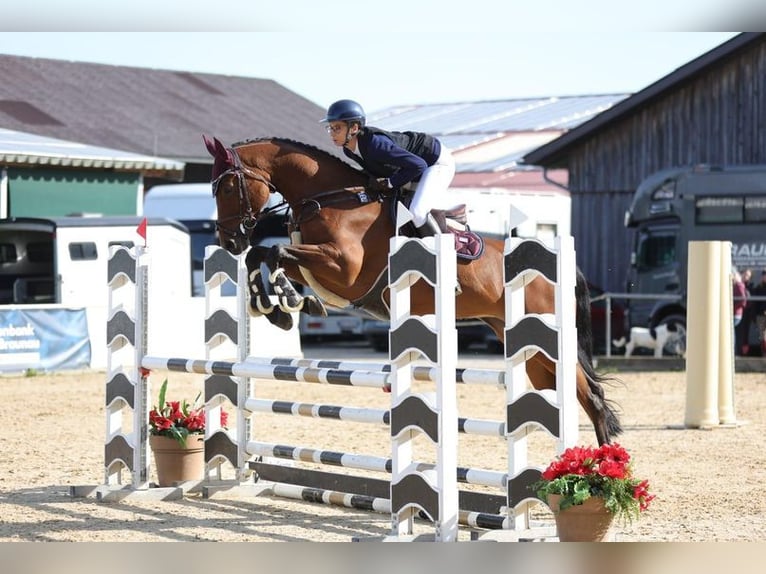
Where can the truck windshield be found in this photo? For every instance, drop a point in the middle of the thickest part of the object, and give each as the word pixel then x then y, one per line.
pixel 656 250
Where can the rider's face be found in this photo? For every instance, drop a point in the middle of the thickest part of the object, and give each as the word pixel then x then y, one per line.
pixel 337 131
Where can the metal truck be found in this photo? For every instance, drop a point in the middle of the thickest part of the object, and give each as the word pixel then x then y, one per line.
pixel 675 206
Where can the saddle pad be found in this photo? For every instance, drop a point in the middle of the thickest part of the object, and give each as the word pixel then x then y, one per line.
pixel 467 244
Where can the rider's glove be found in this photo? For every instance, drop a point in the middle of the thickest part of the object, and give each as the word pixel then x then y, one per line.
pixel 379 184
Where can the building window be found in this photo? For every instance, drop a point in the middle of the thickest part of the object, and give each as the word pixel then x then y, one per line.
pixel 83 251
pixel 755 209
pixel 719 210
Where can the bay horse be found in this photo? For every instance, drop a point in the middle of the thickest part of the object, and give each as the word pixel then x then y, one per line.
pixel 342 253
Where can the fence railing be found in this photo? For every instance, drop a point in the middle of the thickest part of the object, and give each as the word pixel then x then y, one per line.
pixel 608 297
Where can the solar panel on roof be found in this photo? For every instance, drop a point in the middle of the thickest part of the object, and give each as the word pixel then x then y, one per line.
pixel 465 125
pixel 527 114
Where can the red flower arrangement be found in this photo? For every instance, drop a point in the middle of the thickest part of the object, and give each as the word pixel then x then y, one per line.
pixel 179 419
pixel 581 472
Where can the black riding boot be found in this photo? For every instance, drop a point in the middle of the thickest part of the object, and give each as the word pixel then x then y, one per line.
pixel 429 229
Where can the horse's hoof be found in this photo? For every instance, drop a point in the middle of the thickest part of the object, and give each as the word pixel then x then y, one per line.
pixel 282 320
pixel 279 319
pixel 314 307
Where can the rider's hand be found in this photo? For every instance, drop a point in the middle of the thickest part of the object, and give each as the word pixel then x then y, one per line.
pixel 379 184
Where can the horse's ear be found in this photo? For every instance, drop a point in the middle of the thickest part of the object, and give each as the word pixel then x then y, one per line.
pixel 220 149
pixel 216 148
pixel 209 144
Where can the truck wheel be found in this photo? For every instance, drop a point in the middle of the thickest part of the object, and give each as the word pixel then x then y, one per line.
pixel 676 343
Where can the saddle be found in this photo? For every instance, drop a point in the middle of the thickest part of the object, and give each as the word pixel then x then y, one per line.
pixel 468 244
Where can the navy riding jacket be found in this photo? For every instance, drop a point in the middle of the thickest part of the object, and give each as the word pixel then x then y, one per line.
pixel 402 157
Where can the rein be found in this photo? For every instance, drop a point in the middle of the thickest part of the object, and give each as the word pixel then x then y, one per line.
pixel 311 206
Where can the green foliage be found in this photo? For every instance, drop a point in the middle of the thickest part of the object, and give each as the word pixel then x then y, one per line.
pixel 179 419
pixel 582 472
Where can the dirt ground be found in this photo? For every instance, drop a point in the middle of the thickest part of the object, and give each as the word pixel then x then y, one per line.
pixel 709 483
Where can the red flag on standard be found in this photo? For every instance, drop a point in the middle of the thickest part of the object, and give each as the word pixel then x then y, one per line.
pixel 141 230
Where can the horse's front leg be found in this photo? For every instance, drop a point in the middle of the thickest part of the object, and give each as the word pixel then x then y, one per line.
pixel 290 301
pixel 260 302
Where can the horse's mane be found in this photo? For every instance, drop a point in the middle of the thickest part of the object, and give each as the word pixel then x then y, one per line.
pixel 311 150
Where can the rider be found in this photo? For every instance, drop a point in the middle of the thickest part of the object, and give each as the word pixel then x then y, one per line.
pixel 394 159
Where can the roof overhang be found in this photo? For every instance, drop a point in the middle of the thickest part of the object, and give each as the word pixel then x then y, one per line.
pixel 528 180
pixel 20 149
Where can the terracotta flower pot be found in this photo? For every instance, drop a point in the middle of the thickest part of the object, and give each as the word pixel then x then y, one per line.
pixel 176 462
pixel 586 522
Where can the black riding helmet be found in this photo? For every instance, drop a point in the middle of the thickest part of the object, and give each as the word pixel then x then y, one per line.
pixel 344 111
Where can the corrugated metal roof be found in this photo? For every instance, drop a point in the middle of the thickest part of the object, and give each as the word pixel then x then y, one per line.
pixel 495 117
pixel 24 149
pixel 494 136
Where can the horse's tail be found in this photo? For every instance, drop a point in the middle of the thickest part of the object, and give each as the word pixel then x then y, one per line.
pixel 585 356
pixel 582 316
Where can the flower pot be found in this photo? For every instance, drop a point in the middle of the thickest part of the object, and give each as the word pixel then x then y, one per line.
pixel 586 522
pixel 176 462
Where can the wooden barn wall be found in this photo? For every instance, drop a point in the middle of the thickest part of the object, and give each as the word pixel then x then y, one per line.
pixel 717 118
pixel 602 241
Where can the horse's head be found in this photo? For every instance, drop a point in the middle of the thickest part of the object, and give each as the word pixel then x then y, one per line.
pixel 240 194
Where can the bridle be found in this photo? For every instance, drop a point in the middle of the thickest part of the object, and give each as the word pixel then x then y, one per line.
pixel 307 209
pixel 247 217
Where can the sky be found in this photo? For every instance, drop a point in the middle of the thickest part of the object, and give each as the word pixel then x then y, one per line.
pixel 389 53
pixel 402 70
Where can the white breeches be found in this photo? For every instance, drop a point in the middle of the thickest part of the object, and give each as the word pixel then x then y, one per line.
pixel 431 190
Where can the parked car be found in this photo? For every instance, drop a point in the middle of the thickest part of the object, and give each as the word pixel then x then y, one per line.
pixel 474 332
